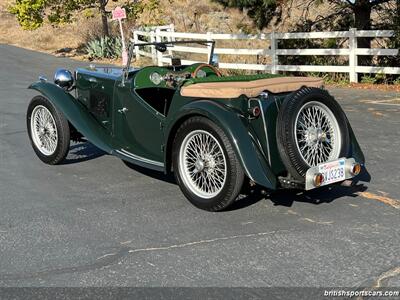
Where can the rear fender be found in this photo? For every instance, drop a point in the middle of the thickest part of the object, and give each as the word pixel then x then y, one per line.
pixel 232 123
pixel 76 114
pixel 355 149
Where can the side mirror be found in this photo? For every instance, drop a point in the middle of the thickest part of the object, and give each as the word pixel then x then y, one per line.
pixel 161 48
pixel 215 60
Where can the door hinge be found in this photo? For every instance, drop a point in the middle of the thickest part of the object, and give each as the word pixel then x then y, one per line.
pixel 162 148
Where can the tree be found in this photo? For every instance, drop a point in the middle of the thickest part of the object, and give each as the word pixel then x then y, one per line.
pixel 264 11
pixel 342 15
pixel 32 13
pixel 260 11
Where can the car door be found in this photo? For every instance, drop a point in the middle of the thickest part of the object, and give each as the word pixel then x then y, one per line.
pixel 137 126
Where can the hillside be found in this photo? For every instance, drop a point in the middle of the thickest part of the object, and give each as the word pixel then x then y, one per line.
pixel 203 16
pixel 187 15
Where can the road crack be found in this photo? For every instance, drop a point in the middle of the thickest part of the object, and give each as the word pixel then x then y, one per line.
pixel 386 275
pixel 378 282
pixel 206 241
pixel 112 258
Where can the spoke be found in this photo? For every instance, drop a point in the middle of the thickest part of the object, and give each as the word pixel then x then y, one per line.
pixel 44 130
pixel 316 131
pixel 202 148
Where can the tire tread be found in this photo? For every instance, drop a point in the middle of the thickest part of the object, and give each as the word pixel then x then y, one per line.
pixel 63 131
pixel 235 177
pixel 286 117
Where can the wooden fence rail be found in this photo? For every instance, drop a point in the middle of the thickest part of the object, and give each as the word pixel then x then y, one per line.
pixel 272 51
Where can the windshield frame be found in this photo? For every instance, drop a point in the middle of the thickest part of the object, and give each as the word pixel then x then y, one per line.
pixel 132 46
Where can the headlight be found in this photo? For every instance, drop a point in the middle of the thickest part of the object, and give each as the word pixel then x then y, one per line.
pixel 64 79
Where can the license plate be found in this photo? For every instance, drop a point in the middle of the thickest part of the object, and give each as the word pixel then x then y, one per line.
pixel 333 171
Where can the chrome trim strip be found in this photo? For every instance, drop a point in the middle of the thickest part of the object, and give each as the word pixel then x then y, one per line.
pixel 140 158
pixel 241 158
pixel 258 143
pixel 265 129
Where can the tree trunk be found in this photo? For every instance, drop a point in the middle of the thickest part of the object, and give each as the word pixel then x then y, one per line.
pixel 104 20
pixel 362 21
pixel 397 16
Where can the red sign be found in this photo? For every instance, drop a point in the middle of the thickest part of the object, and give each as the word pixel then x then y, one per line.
pixel 118 13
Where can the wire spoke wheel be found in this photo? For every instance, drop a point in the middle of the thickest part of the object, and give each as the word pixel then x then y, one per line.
pixel 311 129
pixel 44 130
pixel 202 164
pixel 317 134
pixel 205 164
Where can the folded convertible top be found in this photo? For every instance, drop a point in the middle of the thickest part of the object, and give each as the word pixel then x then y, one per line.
pixel 234 89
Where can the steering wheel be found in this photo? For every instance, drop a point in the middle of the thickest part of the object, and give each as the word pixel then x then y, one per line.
pixel 199 67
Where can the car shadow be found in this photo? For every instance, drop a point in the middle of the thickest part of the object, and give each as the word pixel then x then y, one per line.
pixel 317 196
pixel 151 173
pixel 287 198
pixel 82 151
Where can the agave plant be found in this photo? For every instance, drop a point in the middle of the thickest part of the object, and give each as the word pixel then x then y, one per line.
pixel 104 47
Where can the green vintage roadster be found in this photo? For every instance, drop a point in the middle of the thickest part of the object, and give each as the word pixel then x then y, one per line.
pixel 215 133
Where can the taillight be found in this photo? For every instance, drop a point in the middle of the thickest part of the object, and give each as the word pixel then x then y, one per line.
pixel 355 169
pixel 255 111
pixel 318 179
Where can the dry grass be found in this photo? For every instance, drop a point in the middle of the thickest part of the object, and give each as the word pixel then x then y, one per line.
pixel 48 38
pixel 202 16
pixel 370 86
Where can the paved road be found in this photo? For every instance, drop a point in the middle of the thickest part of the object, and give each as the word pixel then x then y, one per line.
pixel 97 222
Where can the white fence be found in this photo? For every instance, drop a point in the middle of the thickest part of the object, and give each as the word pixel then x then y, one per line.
pixel 158 34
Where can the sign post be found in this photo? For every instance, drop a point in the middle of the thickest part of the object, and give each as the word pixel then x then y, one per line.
pixel 119 14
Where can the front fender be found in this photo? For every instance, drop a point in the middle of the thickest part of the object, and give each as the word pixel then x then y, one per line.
pixel 76 114
pixel 232 123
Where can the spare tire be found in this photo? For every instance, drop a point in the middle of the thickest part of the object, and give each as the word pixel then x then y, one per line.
pixel 311 129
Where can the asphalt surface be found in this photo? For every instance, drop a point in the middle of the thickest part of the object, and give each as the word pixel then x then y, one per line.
pixel 95 221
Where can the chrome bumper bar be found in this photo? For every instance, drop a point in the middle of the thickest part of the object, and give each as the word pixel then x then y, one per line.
pixel 309 180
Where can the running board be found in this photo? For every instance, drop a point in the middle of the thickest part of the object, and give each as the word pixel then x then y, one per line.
pixel 139 160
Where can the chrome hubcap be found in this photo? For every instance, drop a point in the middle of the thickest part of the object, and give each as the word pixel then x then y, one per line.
pixel 317 134
pixel 202 164
pixel 44 130
pixel 199 165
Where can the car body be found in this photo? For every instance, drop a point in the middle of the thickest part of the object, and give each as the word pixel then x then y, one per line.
pixel 135 114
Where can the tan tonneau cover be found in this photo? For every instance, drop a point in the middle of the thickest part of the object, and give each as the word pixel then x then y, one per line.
pixel 234 89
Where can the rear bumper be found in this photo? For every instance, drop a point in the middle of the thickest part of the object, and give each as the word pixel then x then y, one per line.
pixel 312 172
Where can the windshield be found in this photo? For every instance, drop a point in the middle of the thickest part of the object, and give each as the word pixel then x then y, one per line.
pixel 164 46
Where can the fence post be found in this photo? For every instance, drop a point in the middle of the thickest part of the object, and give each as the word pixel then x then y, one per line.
pixel 172 29
pixel 136 40
pixel 274 56
pixel 209 46
pixel 170 38
pixel 353 61
pixel 153 49
pixel 159 54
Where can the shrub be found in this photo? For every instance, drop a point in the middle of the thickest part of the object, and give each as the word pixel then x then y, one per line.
pixel 104 47
pixel 368 79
